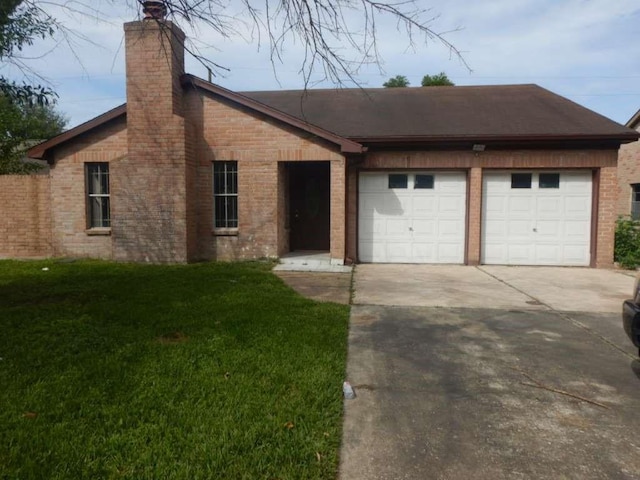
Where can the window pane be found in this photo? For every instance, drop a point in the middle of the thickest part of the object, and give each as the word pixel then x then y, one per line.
pixel 104 180
pixel 225 193
pixel 636 192
pixel 98 214
pixel 549 180
pixel 397 181
pixel 424 181
pixel 225 178
pixel 520 180
pixel 226 212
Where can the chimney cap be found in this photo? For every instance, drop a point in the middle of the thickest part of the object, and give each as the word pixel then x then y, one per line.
pixel 154 9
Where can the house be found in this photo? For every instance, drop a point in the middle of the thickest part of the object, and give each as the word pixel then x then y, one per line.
pixel 629 174
pixel 189 171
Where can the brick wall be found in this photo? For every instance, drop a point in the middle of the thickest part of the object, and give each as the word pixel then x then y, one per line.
pixel 25 223
pixel 71 237
pixel 628 173
pixel 149 211
pixel 261 146
pixel 603 161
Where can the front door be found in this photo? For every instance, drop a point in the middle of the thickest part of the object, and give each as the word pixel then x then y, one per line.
pixel 309 187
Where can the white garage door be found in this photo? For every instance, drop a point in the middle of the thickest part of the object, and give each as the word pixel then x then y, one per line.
pixel 412 217
pixel 536 218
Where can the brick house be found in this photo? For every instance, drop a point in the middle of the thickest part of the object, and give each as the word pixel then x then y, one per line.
pixel 188 171
pixel 629 174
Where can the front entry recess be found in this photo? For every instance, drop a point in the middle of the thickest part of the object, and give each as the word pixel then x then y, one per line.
pixel 309 212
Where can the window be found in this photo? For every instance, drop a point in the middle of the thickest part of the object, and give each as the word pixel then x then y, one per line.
pixel 423 181
pixel 225 194
pixel 549 180
pixel 520 180
pixel 397 180
pixel 97 187
pixel 635 201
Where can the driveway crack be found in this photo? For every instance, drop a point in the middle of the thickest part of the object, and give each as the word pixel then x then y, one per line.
pixel 562 315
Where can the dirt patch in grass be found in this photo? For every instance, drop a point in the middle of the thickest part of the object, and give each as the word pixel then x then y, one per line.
pixel 172 338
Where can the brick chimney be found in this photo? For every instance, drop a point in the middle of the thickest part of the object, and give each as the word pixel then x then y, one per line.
pixel 149 185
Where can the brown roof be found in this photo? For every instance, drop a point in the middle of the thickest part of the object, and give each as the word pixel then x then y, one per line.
pixel 446 113
pixel 634 121
pixel 40 150
pixel 347 146
pixel 351 117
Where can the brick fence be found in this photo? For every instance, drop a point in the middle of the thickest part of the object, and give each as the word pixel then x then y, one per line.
pixel 25 223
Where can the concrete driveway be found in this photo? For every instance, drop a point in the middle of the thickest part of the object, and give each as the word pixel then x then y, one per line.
pixel 490 373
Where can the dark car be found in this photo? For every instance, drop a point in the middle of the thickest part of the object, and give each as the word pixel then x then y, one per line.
pixel 631 316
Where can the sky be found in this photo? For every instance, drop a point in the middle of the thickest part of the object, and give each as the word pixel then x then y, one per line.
pixel 585 50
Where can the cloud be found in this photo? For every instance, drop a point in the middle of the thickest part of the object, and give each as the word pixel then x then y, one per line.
pixel 586 50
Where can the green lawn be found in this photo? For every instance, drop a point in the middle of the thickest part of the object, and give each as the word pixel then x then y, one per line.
pixel 166 372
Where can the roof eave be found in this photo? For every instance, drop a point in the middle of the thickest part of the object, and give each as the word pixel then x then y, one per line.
pixel 498 139
pixel 346 145
pixel 40 151
pixel 634 121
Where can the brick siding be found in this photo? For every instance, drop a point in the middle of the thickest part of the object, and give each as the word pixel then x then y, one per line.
pixel 25 223
pixel 71 237
pixel 261 146
pixel 628 174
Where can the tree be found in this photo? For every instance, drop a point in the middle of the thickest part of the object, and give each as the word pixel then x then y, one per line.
pixel 324 27
pixel 437 80
pixel 397 81
pixel 21 23
pixel 21 125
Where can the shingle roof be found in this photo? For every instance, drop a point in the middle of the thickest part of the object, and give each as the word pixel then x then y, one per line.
pixel 349 117
pixel 479 112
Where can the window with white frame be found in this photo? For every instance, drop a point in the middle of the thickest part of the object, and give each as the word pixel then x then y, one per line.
pixel 97 187
pixel 225 194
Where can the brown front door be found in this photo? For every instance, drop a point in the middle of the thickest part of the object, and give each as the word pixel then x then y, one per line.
pixel 309 205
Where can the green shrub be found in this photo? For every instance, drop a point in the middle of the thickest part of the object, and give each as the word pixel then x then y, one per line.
pixel 627 244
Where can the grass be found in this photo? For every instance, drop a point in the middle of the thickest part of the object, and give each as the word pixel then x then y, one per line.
pixel 166 372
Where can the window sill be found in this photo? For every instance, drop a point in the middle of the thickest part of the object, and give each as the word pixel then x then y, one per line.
pixel 225 232
pixel 98 231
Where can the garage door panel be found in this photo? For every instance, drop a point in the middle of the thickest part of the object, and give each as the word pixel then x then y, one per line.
pixel 450 229
pixel 424 206
pixel 398 252
pixel 537 226
pixel 395 227
pixel 575 205
pixel 578 229
pixel 497 205
pixel 373 183
pixel 576 255
pixel 549 228
pixel 422 228
pixel 453 205
pixel 548 254
pixel 495 228
pixel 550 207
pixel 495 253
pixel 520 205
pixel 519 228
pixel 449 253
pixel 423 253
pixel 412 225
pixel 519 254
